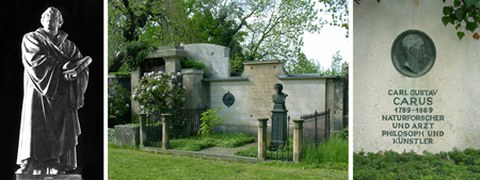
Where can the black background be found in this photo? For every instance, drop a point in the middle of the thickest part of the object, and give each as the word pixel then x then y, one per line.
pixel 83 21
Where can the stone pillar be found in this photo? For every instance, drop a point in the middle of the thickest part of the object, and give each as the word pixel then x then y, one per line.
pixel 330 105
pixel 165 137
pixel 297 139
pixel 262 138
pixel 195 96
pixel 172 57
pixel 135 76
pixel 142 133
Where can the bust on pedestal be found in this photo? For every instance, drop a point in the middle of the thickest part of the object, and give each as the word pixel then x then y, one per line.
pixel 279 118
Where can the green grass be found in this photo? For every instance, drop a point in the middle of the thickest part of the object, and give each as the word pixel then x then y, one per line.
pixel 391 165
pixel 333 154
pixel 136 164
pixel 335 150
pixel 197 143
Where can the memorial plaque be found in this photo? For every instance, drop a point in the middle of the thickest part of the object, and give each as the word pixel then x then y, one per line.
pixel 414 83
pixel 413 53
pixel 228 99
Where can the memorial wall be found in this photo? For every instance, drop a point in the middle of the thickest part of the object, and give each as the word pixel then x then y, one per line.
pixel 415 83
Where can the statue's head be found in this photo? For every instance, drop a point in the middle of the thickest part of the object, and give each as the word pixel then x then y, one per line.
pixel 51 19
pixel 414 51
pixel 278 88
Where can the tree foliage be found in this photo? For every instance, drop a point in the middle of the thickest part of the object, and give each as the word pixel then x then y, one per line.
pixel 464 15
pixel 338 9
pixel 252 29
pixel 135 26
pixel 337 68
pixel 302 65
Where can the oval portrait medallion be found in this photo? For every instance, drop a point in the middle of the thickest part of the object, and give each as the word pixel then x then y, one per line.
pixel 413 53
pixel 228 99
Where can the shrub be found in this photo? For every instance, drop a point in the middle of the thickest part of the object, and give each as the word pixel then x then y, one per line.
pixel 118 102
pixel 160 92
pixel 199 65
pixel 210 119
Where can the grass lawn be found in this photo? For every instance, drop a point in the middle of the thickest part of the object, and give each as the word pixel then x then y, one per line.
pixel 332 154
pixel 391 165
pixel 136 164
pixel 197 143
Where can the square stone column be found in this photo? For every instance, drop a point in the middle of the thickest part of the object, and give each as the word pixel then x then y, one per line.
pixel 172 57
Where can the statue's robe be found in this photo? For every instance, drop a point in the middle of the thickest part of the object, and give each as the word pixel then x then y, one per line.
pixel 49 122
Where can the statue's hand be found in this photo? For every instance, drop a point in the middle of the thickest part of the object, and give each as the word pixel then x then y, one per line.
pixel 70 75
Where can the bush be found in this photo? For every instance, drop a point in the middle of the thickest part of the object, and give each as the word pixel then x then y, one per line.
pixel 410 165
pixel 160 92
pixel 118 102
pixel 210 119
pixel 199 65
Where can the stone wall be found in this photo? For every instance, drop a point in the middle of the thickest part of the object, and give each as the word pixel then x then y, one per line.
pixel 375 80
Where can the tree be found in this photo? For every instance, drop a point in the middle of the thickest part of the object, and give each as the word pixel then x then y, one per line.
pixel 276 31
pixel 337 68
pixel 252 29
pixel 261 30
pixel 219 22
pixel 135 26
pixel 302 65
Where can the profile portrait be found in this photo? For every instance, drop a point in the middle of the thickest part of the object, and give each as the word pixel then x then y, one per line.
pixel 413 53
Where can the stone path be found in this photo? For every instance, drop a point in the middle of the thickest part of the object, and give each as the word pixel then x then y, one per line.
pixel 220 153
pixel 226 151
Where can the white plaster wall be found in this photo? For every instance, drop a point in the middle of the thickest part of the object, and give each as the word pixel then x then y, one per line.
pixel 304 96
pixel 454 74
pixel 237 117
pixel 215 57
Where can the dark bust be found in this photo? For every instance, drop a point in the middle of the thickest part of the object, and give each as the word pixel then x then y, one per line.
pixel 279 97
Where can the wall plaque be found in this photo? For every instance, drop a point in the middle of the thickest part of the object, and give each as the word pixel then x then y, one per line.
pixel 413 53
pixel 228 99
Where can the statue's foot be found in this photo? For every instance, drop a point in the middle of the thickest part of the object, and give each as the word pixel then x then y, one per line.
pixel 28 170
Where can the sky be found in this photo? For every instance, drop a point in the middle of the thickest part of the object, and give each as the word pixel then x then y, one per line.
pixel 322 46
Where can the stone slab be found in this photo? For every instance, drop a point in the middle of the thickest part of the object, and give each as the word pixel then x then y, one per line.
pixel 49 177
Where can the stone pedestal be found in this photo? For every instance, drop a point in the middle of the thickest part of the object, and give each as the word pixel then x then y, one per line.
pixel 297 139
pixel 49 177
pixel 279 128
pixel 262 138
pixel 165 136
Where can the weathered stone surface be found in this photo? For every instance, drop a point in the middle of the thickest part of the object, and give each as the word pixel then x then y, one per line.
pixel 195 93
pixel 215 57
pixel 127 135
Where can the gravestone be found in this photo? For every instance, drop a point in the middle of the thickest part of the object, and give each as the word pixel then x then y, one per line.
pixel 414 81
pixel 279 118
